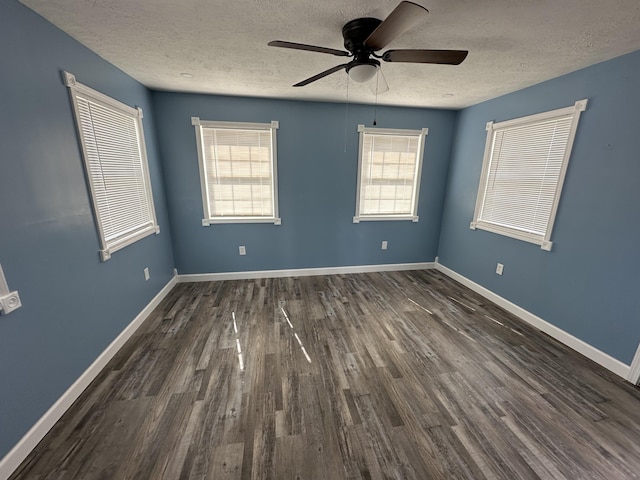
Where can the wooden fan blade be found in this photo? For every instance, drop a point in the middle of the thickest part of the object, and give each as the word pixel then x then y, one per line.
pixel 320 75
pixel 308 48
pixel 403 17
pixel 444 57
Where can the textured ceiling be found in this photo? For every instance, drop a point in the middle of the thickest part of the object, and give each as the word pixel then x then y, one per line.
pixel 223 44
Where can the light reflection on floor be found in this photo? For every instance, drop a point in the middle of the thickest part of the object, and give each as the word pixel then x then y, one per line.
pixel 444 321
pixel 235 329
pixel 304 351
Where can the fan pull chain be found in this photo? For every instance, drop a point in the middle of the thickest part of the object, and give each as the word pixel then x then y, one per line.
pixel 346 116
pixel 375 108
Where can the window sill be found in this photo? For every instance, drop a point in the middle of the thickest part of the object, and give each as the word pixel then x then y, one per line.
pixel 217 221
pixel 119 244
pixel 512 233
pixel 379 218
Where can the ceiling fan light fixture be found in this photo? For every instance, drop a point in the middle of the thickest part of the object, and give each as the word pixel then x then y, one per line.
pixel 363 72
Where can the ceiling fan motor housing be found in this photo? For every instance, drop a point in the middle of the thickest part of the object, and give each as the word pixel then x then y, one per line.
pixel 356 32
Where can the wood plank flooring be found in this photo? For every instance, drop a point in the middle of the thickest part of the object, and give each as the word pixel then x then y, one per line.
pixel 404 375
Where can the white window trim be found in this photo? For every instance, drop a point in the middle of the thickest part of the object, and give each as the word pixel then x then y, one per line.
pixel 76 88
pixel 544 241
pixel 418 174
pixel 208 220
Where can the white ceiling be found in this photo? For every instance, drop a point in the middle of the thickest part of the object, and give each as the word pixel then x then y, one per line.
pixel 223 43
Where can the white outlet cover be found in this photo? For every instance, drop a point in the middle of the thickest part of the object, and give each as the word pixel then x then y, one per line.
pixel 384 245
pixel 146 273
pixel 242 250
pixel 499 269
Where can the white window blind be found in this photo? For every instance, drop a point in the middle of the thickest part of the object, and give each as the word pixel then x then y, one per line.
pixel 525 164
pixel 390 163
pixel 116 165
pixel 238 171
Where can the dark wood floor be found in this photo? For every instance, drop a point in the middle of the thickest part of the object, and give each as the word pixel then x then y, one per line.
pixel 404 375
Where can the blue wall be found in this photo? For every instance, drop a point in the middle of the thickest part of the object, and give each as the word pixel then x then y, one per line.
pixel 317 187
pixel 588 285
pixel 74 305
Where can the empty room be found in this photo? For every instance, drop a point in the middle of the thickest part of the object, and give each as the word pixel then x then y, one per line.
pixel 319 240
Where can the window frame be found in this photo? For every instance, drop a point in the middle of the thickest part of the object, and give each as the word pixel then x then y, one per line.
pixel 208 219
pixel 107 248
pixel 421 134
pixel 543 240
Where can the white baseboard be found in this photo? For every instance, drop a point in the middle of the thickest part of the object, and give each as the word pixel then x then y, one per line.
pixel 589 351
pixel 303 272
pixel 19 452
pixel 634 371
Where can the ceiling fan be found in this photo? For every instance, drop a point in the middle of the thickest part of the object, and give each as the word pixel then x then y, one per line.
pixel 363 37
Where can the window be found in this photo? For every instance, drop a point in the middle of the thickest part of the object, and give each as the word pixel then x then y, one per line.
pixel 524 165
pixel 389 169
pixel 238 171
pixel 115 159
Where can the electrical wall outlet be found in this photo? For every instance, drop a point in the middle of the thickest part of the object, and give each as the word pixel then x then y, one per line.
pixel 242 250
pixel 146 273
pixel 384 245
pixel 499 268
pixel 10 302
